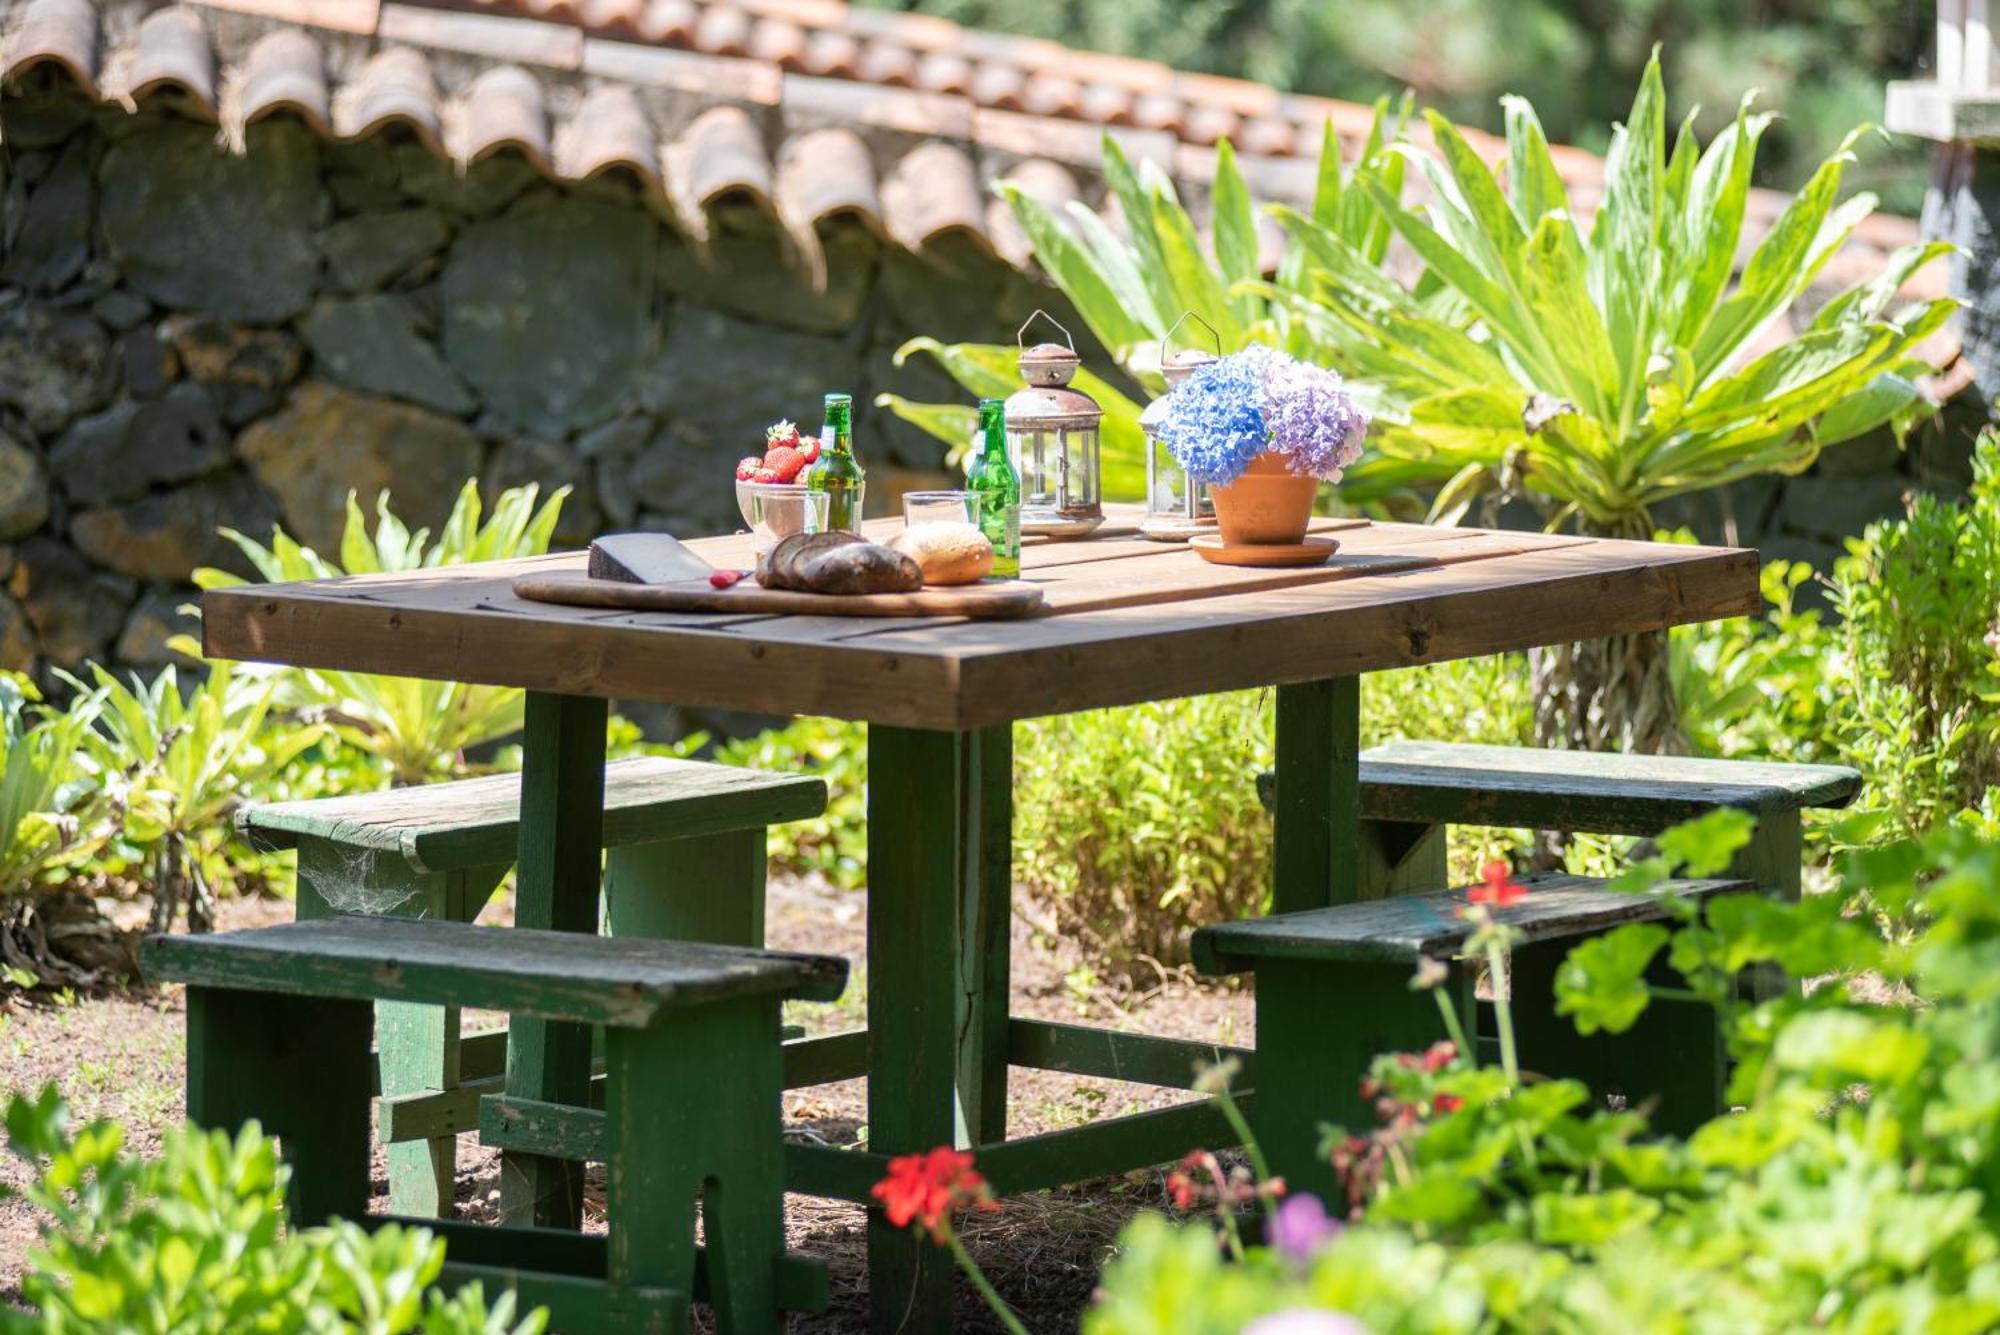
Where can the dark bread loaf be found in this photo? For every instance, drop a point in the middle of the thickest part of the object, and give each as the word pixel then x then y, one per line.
pixel 784 568
pixel 866 567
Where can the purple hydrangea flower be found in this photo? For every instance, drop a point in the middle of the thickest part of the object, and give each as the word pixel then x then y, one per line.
pixel 1214 422
pixel 1300 1226
pixel 1313 421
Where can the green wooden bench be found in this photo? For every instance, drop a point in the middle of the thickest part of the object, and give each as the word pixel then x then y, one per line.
pixel 1412 791
pixel 685 861
pixel 279 1023
pixel 1333 993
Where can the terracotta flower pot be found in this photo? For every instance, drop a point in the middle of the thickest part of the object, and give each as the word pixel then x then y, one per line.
pixel 1268 506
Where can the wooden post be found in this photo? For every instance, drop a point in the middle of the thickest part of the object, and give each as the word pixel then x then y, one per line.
pixel 706 888
pixel 562 824
pixel 1317 811
pixel 985 944
pixel 928 874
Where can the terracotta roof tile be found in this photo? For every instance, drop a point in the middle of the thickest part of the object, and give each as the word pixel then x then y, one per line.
pixel 504 110
pixel 690 96
pixel 395 88
pixel 286 72
pixel 528 41
pixel 173 52
pixel 609 132
pixel 933 190
pixel 54 32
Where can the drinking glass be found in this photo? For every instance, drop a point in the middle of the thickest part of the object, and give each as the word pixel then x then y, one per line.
pixel 941 507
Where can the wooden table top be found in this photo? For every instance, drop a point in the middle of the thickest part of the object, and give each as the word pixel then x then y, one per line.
pixel 1126 620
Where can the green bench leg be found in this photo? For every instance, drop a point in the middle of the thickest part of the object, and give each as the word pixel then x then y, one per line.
pixel 300 1067
pixel 417 1046
pixel 1316 811
pixel 1773 861
pixel 1672 1059
pixel 1319 1027
pixel 557 882
pixel 693 1108
pixel 1398 858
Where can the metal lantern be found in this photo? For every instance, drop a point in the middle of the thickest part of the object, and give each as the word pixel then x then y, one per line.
pixel 1052 432
pixel 1177 507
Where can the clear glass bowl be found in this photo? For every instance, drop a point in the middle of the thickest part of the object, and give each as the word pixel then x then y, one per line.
pixel 775 510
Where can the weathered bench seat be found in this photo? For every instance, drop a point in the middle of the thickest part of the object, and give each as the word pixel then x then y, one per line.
pixel 684 860
pixel 279 1022
pixel 1333 993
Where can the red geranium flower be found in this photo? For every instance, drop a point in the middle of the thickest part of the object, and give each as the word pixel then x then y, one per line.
pixel 926 1188
pixel 1446 1103
pixel 1497 886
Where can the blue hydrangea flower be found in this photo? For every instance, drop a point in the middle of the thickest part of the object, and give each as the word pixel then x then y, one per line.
pixel 1214 422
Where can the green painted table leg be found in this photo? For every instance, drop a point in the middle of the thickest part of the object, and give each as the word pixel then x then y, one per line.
pixel 1773 861
pixel 917 863
pixel 557 881
pixel 708 888
pixel 1316 818
pixel 985 942
pixel 299 1066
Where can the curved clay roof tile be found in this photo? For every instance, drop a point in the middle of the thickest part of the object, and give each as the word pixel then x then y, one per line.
pixel 999 83
pixel 1268 136
pixel 1206 124
pixel 670 22
pixel 1107 104
pixel 1043 181
pixel 394 88
pixel 621 17
pixel 1157 111
pixel 62 33
pixel 286 71
pixel 504 109
pixel 934 189
pixel 722 30
pixel 825 173
pixel 889 63
pixel 1053 95
pixel 609 132
pixel 173 52
pixel 722 153
pixel 944 72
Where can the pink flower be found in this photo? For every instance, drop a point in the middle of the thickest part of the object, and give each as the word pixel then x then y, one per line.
pixel 1300 1226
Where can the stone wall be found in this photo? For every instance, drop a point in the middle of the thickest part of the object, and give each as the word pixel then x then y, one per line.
pixel 191 338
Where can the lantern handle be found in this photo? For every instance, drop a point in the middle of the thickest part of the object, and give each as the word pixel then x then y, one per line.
pixel 1019 334
pixel 1167 339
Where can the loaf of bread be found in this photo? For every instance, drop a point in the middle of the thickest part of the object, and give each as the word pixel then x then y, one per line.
pixel 838 563
pixel 784 567
pixel 949 553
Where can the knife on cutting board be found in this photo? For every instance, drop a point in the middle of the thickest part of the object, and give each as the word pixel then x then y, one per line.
pixel 645 558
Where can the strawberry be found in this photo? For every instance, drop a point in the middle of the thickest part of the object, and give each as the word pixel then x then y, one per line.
pixel 781 433
pixel 765 475
pixel 785 462
pixel 747 466
pixel 808 448
pixel 722 579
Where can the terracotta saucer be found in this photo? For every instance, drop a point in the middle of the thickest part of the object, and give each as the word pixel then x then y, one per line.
pixel 1313 551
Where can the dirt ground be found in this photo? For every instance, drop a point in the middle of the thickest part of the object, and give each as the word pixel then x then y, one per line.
pixel 122 1057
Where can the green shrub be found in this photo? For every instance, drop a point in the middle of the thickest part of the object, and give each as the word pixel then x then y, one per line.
pixel 193 1242
pixel 835 843
pixel 58 802
pixel 1920 598
pixel 417 730
pixel 1853 1191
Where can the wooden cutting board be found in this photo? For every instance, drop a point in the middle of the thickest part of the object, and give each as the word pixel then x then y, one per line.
pixel 1010 599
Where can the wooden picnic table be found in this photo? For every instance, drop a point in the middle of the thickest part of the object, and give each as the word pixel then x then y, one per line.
pixel 1126 620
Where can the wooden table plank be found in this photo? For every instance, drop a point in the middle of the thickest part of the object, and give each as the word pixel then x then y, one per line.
pixel 1179 627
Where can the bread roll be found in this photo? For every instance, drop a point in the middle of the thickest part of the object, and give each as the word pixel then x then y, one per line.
pixel 864 567
pixel 949 553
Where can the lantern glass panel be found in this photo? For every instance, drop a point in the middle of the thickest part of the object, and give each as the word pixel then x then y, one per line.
pixel 1078 495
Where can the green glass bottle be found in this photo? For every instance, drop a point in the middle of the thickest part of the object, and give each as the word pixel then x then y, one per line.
pixel 837 472
pixel 998 486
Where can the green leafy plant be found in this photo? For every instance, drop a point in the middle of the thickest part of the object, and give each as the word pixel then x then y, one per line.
pixel 1851 1192
pixel 57 803
pixel 418 730
pixel 833 844
pixel 190 757
pixel 1131 288
pixel 1596 372
pixel 194 1242
pixel 1919 599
